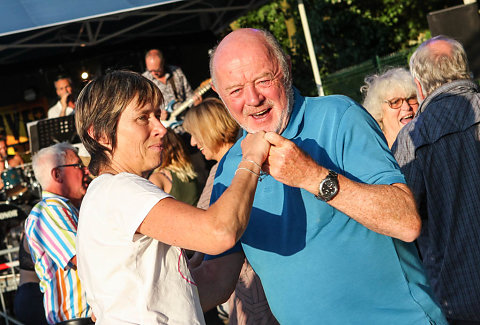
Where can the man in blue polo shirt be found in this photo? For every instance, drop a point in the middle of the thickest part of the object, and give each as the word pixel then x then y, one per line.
pixel 330 222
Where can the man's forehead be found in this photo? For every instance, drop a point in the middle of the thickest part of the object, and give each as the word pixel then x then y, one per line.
pixel 230 59
pixel 62 82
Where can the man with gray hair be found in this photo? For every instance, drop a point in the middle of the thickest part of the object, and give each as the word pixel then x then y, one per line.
pixel 439 153
pixel 51 230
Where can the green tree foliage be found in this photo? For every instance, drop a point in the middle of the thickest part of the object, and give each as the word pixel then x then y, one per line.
pixel 345 33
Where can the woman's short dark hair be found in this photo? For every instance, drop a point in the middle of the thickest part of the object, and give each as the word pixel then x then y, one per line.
pixel 100 105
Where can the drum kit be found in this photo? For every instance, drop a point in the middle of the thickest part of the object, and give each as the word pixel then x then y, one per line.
pixel 19 194
pixel 20 186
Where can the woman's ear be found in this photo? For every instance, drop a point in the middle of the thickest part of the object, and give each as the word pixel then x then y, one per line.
pixel 102 139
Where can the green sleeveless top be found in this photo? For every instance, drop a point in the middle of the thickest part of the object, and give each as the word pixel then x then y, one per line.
pixel 187 192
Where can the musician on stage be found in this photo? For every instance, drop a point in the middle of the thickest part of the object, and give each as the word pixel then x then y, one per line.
pixel 169 79
pixel 65 104
pixel 175 89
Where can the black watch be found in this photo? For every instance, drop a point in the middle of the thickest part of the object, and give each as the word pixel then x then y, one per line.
pixel 328 188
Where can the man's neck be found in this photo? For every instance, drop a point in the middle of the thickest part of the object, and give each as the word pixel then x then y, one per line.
pixel 59 192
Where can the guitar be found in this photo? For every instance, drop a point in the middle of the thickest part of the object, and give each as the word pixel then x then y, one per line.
pixel 176 108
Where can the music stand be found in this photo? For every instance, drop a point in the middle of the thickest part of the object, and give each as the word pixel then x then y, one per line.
pixel 46 132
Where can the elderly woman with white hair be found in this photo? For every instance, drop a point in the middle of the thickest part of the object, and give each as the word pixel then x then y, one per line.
pixel 391 98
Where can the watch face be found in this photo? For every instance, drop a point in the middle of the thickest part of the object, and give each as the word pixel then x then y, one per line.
pixel 329 188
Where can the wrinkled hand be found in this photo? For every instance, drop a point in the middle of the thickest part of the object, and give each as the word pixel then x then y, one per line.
pixel 287 163
pixel 255 147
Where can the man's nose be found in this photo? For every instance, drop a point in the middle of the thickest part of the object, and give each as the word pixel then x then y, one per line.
pixel 252 96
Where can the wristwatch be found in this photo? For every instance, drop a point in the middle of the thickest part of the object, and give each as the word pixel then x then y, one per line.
pixel 328 188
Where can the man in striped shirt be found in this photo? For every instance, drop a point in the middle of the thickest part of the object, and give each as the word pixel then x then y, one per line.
pixel 51 229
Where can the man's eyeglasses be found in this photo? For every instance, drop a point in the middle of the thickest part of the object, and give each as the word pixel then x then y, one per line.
pixel 396 103
pixel 78 165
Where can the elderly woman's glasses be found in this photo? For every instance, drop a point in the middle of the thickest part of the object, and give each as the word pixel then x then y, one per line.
pixel 396 103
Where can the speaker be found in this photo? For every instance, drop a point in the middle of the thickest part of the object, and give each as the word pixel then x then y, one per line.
pixel 463 24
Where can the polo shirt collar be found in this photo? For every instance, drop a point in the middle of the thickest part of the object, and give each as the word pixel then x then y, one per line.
pixel 49 195
pixel 296 117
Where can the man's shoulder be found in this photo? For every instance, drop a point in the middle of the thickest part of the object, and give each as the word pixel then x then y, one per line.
pixel 172 68
pixel 440 114
pixel 51 201
pixel 331 105
pixel 175 71
pixel 55 106
pixel 54 110
pixel 335 113
pixel 49 210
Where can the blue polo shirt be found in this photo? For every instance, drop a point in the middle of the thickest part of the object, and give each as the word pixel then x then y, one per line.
pixel 317 265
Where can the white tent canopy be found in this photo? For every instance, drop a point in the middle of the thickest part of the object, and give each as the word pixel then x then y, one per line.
pixel 18 16
pixel 33 26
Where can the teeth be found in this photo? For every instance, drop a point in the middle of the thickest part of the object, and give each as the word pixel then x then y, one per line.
pixel 261 113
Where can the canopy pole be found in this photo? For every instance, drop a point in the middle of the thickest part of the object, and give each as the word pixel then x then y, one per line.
pixel 311 50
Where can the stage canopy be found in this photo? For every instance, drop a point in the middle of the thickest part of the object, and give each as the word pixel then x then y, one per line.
pixel 38 27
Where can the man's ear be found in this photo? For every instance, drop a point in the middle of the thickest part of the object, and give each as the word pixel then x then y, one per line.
pixel 420 93
pixel 102 140
pixel 56 175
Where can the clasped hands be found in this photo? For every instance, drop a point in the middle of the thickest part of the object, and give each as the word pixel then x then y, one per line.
pixel 282 159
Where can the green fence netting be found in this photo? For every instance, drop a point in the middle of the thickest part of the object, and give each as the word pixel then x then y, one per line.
pixel 349 80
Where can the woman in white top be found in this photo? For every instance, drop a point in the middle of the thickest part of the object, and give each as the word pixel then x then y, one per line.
pixel 130 231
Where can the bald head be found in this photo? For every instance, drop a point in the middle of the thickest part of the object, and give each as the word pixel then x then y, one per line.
pixel 155 63
pixel 154 53
pixel 440 47
pixel 438 61
pixel 239 43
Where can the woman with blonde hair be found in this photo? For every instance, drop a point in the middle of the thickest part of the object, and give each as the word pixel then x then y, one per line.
pixel 391 98
pixel 213 131
pixel 176 175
